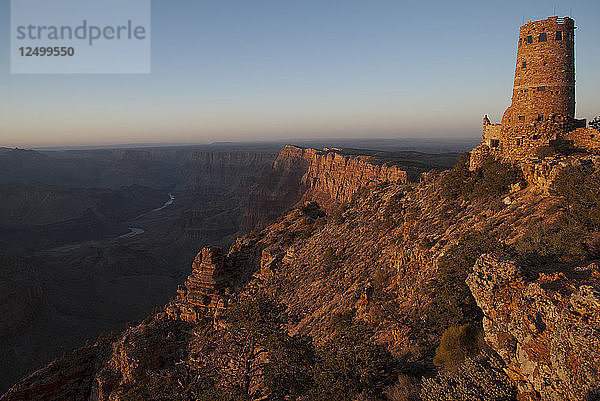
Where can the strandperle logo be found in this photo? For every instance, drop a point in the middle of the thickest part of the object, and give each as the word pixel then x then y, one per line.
pixel 80 36
pixel 89 33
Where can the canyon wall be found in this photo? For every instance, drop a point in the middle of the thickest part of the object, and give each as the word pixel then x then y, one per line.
pixel 328 176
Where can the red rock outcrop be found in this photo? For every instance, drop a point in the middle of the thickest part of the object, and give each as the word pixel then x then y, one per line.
pixel 543 324
pixel 153 346
pixel 204 290
pixel 333 177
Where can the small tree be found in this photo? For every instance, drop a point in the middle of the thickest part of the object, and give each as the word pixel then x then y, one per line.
pixel 595 123
pixel 252 357
pixel 351 363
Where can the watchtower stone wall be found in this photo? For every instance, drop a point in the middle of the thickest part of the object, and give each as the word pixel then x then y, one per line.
pixel 544 85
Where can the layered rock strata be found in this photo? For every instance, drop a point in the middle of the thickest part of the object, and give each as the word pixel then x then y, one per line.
pixel 328 176
pixel 204 289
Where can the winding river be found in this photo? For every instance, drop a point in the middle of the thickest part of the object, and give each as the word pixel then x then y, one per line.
pixel 133 231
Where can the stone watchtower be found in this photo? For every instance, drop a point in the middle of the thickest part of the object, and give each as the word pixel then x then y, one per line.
pixel 542 111
pixel 544 86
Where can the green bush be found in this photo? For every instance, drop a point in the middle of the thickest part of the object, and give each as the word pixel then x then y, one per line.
pixel 453 304
pixel 491 180
pixel 458 343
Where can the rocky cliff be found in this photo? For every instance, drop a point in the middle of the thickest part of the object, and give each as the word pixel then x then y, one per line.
pixel 67 216
pixel 544 323
pixel 328 176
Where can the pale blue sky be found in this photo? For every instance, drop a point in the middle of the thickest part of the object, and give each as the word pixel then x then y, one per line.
pixel 281 69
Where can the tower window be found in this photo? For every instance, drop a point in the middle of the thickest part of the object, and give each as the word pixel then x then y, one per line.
pixel 540 117
pixel 558 35
pixel 543 37
pixel 524 64
pixel 494 143
pixel 529 39
pixel 541 89
pixel 521 118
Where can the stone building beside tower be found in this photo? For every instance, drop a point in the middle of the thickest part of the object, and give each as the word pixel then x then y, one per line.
pixel 542 112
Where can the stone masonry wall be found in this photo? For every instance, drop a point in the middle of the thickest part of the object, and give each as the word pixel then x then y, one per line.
pixel 545 73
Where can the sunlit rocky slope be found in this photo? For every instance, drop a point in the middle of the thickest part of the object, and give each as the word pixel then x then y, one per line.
pixel 461 285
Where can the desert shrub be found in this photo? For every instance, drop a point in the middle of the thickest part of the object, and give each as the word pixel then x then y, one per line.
pixel 491 180
pixel 153 388
pixel 457 344
pixel 288 375
pixel 478 379
pixel 251 356
pixel 453 304
pixel 563 240
pixel 595 123
pixel 572 235
pixel 457 181
pixel 578 187
pixel 406 388
pixel 312 210
pixel 351 364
